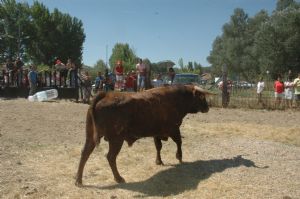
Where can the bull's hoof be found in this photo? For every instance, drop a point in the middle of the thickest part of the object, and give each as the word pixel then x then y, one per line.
pixel 179 157
pixel 78 183
pixel 159 162
pixel 120 180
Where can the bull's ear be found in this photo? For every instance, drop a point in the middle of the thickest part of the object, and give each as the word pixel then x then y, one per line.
pixel 206 92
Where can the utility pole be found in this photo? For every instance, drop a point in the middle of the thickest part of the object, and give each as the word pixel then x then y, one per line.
pixel 106 56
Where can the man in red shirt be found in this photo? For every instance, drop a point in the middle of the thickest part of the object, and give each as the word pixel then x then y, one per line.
pixel 279 91
pixel 130 81
pixel 119 70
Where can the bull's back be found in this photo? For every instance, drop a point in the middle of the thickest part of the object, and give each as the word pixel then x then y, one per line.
pixel 139 115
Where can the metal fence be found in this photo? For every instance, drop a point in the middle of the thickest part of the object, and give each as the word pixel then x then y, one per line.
pixel 245 96
pixel 16 84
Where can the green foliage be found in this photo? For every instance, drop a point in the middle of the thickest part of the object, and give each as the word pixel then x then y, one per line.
pixel 124 53
pixel 251 46
pixel 37 35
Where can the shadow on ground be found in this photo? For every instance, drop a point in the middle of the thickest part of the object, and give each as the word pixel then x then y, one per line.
pixel 180 178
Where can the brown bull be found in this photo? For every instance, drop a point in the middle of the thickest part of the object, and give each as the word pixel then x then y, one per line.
pixel 154 113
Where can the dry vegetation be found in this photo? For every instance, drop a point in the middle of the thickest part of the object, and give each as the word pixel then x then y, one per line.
pixel 228 153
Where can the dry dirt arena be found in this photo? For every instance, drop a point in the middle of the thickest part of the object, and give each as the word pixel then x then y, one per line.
pixel 227 153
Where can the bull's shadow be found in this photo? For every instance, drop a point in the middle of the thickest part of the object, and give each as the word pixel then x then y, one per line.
pixel 181 177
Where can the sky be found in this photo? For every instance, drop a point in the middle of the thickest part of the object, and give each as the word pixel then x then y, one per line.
pixel 155 29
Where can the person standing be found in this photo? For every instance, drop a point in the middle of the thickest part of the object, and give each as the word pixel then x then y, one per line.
pixel 279 91
pixel 61 67
pixel 260 88
pixel 297 90
pixel 71 72
pixel 10 71
pixel 99 81
pixel 19 70
pixel 171 74
pixel 130 81
pixel 288 92
pixel 87 87
pixel 119 71
pixel 141 71
pixel 32 78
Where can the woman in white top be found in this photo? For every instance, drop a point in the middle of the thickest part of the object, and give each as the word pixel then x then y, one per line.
pixel 288 92
pixel 260 88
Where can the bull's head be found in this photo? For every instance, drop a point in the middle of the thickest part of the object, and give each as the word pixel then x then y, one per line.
pixel 200 103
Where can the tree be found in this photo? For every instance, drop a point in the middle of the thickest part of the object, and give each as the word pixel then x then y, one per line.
pixel 100 66
pixel 278 42
pixel 190 66
pixel 180 63
pixel 283 4
pixel 37 35
pixel 56 35
pixel 14 21
pixel 124 53
pixel 251 46
pixel 235 47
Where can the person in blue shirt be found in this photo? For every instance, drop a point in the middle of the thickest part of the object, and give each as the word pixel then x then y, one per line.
pixel 32 78
pixel 99 82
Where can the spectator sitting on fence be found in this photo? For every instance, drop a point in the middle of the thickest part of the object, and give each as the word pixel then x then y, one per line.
pixel 288 92
pixel 33 79
pixel 279 91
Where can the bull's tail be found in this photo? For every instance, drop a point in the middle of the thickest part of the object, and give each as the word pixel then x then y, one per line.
pixel 91 126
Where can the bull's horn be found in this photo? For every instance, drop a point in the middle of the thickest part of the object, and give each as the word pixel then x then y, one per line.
pixel 203 90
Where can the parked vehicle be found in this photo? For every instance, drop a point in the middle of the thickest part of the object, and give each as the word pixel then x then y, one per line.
pixel 186 78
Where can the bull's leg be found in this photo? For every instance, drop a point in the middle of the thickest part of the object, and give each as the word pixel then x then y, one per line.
pixel 85 154
pixel 114 149
pixel 177 139
pixel 158 146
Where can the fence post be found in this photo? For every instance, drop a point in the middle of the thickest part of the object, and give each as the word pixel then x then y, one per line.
pixel 225 97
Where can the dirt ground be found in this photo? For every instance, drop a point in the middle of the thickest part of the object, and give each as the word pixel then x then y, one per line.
pixel 227 153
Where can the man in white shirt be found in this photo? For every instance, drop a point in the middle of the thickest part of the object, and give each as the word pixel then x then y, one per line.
pixel 297 90
pixel 260 88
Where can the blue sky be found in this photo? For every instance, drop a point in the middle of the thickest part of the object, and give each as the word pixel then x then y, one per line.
pixel 154 29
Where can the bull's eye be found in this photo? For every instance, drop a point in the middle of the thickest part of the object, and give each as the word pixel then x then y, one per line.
pixel 202 97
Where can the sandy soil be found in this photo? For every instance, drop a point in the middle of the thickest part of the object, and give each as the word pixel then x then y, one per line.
pixel 228 153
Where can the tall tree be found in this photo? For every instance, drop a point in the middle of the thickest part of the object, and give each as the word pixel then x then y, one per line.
pixel 37 35
pixel 125 53
pixel 180 63
pixel 278 41
pixel 100 66
pixel 14 18
pixel 283 4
